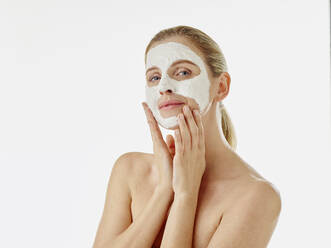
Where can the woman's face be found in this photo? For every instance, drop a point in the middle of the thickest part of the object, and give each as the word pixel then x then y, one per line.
pixel 176 71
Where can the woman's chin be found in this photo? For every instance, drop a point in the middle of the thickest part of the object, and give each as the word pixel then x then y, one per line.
pixel 176 126
pixel 173 127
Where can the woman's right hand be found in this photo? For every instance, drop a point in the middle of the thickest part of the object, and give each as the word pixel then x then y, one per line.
pixel 163 152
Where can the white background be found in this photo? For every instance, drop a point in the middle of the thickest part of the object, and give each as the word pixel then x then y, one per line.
pixel 71 84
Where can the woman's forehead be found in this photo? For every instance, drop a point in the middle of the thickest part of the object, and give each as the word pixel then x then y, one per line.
pixel 164 55
pixel 181 40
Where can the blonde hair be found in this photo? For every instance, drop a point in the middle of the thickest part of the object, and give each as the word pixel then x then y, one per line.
pixel 214 59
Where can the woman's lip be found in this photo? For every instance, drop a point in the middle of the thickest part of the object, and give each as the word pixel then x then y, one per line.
pixel 171 106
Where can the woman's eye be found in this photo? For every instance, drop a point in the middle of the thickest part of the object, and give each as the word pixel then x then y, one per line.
pixel 151 79
pixel 186 73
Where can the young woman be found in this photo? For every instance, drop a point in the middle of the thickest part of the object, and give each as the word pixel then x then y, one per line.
pixel 193 190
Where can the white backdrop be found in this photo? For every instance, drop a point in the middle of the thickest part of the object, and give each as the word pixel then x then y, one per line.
pixel 71 84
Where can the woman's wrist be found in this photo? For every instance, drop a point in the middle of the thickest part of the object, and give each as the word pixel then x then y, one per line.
pixel 165 190
pixel 187 195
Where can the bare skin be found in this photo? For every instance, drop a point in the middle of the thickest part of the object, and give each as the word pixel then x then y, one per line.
pixel 214 198
pixel 228 188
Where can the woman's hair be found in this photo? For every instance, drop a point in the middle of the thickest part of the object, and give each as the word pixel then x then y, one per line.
pixel 214 59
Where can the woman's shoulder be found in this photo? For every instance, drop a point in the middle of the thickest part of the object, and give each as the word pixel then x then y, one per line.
pixel 259 195
pixel 247 184
pixel 251 188
pixel 251 179
pixel 135 157
pixel 136 164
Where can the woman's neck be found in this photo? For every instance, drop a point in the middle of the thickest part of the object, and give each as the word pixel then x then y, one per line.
pixel 221 159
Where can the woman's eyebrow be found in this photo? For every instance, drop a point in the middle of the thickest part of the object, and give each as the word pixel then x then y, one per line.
pixel 183 61
pixel 150 69
pixel 173 64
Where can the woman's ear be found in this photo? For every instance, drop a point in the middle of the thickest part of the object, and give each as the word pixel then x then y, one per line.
pixel 223 85
pixel 171 144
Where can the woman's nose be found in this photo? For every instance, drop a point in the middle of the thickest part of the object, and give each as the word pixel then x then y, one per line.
pixel 168 91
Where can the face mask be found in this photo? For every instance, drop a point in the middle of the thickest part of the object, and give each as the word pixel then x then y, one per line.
pixel 163 56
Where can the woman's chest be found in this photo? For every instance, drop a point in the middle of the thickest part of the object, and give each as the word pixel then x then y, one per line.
pixel 208 214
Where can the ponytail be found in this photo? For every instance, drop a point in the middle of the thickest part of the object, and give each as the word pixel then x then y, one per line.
pixel 227 127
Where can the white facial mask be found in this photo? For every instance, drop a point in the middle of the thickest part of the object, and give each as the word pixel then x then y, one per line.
pixel 163 56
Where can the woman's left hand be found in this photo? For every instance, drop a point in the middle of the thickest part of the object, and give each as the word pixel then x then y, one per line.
pixel 189 162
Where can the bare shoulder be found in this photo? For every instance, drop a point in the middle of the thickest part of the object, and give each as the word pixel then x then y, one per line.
pixel 134 165
pixel 253 187
pixel 133 160
pixel 257 194
pixel 264 191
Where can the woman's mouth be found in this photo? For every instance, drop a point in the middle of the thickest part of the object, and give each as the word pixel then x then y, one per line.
pixel 171 106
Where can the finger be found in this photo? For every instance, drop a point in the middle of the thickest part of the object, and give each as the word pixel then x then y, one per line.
pixel 154 127
pixel 184 132
pixel 178 142
pixel 198 117
pixel 193 128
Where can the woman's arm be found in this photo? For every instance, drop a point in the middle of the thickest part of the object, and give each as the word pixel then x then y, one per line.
pixel 180 223
pixel 143 232
pixel 116 229
pixel 189 164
